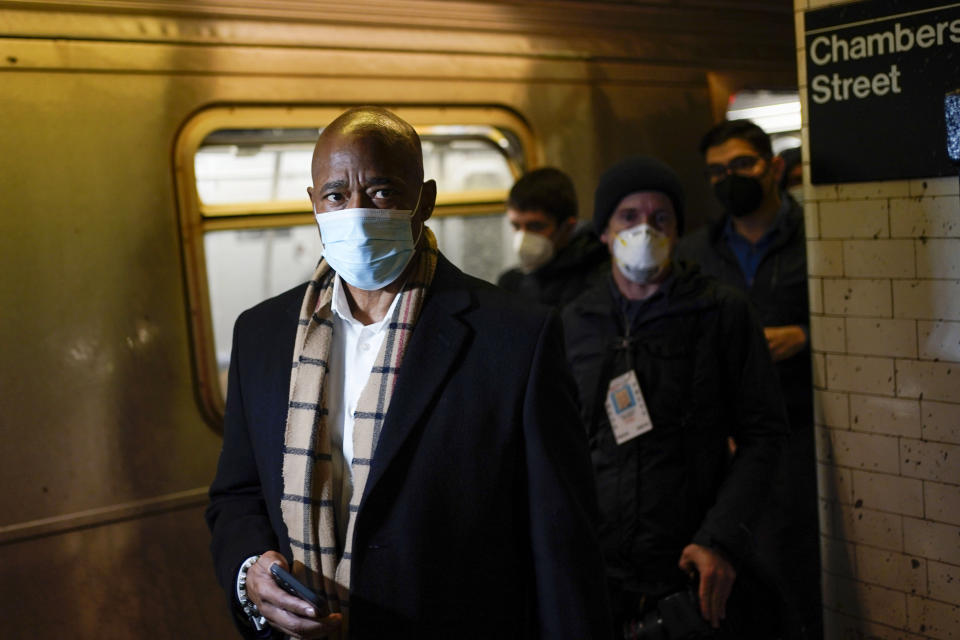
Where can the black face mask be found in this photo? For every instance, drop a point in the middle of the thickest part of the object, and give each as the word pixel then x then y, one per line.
pixel 739 195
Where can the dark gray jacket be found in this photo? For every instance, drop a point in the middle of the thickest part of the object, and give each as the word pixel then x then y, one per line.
pixel 705 373
pixel 778 293
pixel 565 277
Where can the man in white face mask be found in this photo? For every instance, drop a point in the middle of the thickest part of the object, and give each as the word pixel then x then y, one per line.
pixel 403 437
pixel 557 258
pixel 670 364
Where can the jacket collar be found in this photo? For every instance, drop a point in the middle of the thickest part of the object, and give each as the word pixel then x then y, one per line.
pixel 583 250
pixel 788 223
pixel 684 291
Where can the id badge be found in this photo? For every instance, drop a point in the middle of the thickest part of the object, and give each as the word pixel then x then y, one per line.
pixel 626 408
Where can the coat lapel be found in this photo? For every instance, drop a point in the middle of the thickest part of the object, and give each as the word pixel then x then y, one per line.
pixel 434 348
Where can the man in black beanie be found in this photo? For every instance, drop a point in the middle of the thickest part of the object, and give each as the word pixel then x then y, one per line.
pixel 671 366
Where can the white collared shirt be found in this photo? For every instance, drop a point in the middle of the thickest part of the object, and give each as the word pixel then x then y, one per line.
pixel 352 355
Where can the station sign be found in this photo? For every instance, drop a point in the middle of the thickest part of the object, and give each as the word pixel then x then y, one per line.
pixel 877 73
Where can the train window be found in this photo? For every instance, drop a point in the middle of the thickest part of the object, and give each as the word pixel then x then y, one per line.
pixel 246 220
pixel 776 112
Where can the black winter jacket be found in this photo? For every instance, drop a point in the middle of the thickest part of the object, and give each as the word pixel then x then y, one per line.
pixel 705 373
pixel 778 293
pixel 566 276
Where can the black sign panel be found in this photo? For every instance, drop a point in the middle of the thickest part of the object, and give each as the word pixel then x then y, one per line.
pixel 877 73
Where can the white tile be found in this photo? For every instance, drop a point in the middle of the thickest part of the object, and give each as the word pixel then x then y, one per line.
pixel 854 219
pixel 811 222
pixel 882 337
pixel 837 626
pixel 823 445
pixel 825 257
pixel 939 340
pixel 838 557
pixel 941 502
pixel 873 190
pixel 798 22
pixel 827 334
pixel 925 379
pixel 878 258
pixel 829 519
pixel 941 421
pixel 944 581
pixel 892 570
pixel 885 492
pixel 816 192
pixel 870 298
pixel 819 371
pixel 931 540
pixel 866 601
pixel 926 299
pixel 933 619
pixel 928 217
pixel 816 295
pixel 930 460
pixel 802 72
pixel 860 374
pixel 831 409
pixel 891 416
pixel 937 257
pixel 834 483
pixel 864 451
pixel 946 186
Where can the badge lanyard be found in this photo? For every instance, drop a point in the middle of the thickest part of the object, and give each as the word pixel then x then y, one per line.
pixel 623 401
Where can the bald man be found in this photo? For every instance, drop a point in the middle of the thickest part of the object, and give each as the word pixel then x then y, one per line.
pixel 402 437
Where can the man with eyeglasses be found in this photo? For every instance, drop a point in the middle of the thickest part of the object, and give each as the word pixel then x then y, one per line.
pixel 759 246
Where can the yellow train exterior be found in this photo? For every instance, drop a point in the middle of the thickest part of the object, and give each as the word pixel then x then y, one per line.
pixel 108 420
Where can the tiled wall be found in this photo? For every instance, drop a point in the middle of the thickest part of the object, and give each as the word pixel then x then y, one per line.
pixel 885 326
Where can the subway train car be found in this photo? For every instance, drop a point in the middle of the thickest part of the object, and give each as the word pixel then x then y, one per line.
pixel 155 158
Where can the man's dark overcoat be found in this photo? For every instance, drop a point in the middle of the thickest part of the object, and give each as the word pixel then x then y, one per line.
pixel 477 518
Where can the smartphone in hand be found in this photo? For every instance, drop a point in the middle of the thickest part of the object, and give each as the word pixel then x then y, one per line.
pixel 294 587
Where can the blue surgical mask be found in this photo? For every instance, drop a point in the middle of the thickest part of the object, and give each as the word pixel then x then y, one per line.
pixel 368 248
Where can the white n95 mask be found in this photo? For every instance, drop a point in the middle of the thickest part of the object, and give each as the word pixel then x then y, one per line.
pixel 641 252
pixel 797 194
pixel 532 249
pixel 368 248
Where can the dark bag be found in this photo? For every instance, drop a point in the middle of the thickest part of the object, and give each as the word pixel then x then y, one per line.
pixel 755 611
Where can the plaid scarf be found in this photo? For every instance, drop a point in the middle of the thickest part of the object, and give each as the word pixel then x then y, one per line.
pixel 308 503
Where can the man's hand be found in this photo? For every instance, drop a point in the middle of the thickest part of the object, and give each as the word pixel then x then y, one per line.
pixel 290 614
pixel 785 341
pixel 716 580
